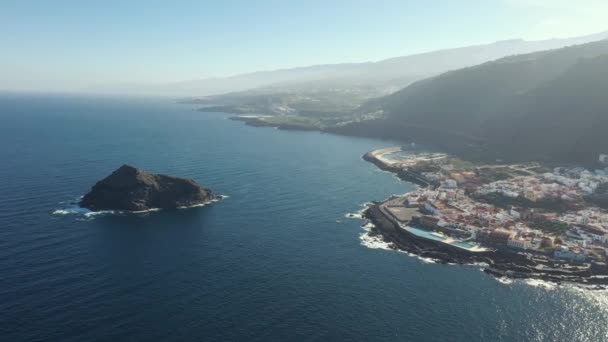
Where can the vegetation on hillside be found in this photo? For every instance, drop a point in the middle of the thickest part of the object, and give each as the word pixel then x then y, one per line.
pixel 546 106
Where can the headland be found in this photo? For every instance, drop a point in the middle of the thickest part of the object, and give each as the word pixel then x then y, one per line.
pixel 518 221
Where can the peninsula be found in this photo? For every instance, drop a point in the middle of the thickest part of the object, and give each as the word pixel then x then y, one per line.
pixel 131 189
pixel 519 221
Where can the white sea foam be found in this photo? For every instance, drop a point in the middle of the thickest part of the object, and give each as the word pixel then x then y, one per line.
pixel 368 226
pixel 74 209
pixel 216 199
pixel 479 264
pixel 427 260
pixel 130 212
pixel 71 210
pixel 541 284
pixel 601 291
pixel 359 214
pixel 377 242
pixel 504 280
pixel 92 214
pixel 195 205
pixel 374 242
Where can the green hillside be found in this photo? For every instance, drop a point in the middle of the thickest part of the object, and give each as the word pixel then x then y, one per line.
pixel 550 106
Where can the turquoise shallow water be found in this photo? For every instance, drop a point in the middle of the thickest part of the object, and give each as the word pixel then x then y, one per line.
pixel 429 235
pixel 276 260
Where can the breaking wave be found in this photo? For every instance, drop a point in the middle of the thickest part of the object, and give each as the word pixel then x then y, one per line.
pixel 540 284
pixel 369 240
pixel 358 214
pixel 373 241
pixel 74 209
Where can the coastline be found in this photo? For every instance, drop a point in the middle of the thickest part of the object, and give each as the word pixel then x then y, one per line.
pixel 500 263
pixel 375 157
pixel 258 121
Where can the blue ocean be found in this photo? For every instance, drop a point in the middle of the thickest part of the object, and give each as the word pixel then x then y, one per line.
pixel 277 259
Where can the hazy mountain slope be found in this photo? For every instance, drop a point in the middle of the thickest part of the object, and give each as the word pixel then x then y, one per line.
pixel 475 93
pixel 386 75
pixel 549 105
pixel 564 119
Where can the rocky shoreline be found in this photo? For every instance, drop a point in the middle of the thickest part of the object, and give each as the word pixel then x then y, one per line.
pixel 500 261
pixel 497 263
pixel 405 175
pixel 255 121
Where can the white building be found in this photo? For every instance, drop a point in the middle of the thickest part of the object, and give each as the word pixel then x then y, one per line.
pixel 518 244
pixel 432 208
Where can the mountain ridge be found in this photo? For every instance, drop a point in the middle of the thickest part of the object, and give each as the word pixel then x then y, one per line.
pixel 546 106
pixel 389 74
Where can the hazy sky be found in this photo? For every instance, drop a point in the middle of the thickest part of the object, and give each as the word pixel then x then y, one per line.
pixel 67 45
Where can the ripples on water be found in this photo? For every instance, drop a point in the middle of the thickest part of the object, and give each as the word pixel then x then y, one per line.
pixel 277 260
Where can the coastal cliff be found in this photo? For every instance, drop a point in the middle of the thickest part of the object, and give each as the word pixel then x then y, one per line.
pixel 499 263
pixel 131 189
pixel 400 239
pixel 406 223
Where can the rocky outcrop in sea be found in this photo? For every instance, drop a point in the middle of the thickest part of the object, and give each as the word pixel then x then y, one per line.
pixel 132 189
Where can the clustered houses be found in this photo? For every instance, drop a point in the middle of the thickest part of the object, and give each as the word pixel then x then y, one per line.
pixel 562 183
pixel 450 209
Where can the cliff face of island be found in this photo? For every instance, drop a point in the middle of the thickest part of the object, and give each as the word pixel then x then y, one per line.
pixel 131 189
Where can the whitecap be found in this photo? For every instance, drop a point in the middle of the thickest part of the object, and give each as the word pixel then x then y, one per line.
pixel 92 214
pixel 71 210
pixel 75 209
pixel 374 242
pixel 368 226
pixel 194 205
pixel 359 214
pixel 504 280
pixel 541 284
pixel 151 210
pixel 427 260
pixel 214 200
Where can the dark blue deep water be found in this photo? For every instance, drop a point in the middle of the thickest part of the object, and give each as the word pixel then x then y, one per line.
pixel 277 260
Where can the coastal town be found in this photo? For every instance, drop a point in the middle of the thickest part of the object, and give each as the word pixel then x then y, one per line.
pixel 523 220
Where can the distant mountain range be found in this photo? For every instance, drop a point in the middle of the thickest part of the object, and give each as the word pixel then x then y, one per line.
pixel 546 106
pixel 384 76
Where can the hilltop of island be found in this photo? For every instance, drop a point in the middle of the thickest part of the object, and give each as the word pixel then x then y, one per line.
pixel 521 220
pixel 131 189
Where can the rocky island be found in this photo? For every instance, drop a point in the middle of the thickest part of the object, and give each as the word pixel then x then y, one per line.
pixel 132 189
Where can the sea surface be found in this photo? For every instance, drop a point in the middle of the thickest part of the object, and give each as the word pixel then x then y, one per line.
pixel 276 260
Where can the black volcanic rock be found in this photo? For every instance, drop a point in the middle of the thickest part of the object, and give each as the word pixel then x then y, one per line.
pixel 132 189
